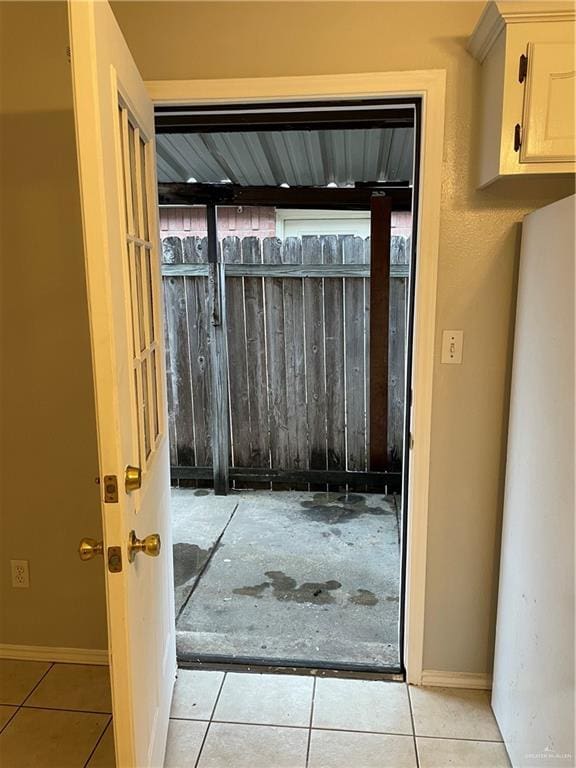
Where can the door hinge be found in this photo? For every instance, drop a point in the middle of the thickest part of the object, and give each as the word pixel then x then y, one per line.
pixel 517 137
pixel 522 68
pixel 110 489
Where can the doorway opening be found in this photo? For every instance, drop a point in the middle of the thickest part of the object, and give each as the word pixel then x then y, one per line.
pixel 288 242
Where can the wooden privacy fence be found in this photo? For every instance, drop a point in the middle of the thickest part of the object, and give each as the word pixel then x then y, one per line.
pixel 297 314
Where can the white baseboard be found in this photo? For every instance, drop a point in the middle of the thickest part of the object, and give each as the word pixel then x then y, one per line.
pixel 434 677
pixel 48 653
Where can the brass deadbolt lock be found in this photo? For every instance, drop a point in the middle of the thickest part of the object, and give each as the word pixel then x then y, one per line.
pixel 89 548
pixel 132 478
pixel 150 545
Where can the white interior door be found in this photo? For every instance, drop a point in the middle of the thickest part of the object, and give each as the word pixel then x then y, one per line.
pixel 115 136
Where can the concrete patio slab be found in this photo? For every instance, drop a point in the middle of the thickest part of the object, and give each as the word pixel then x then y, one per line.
pixel 297 576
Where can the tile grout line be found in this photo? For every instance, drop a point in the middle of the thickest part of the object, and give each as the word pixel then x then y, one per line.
pixel 98 742
pixel 12 716
pixel 310 724
pixel 47 708
pixel 211 716
pixel 413 726
pixel 52 664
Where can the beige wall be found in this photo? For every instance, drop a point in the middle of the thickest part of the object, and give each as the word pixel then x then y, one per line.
pixel 478 252
pixel 49 461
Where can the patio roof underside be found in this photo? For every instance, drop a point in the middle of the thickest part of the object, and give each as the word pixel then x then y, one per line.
pixel 294 158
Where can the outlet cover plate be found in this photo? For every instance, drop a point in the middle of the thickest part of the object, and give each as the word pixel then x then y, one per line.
pixel 20 574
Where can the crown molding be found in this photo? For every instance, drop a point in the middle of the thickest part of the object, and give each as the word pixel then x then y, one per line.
pixel 497 15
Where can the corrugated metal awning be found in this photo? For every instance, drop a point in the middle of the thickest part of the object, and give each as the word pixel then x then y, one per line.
pixel 296 158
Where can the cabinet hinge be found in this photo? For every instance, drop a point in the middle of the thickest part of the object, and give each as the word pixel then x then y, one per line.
pixel 522 68
pixel 517 137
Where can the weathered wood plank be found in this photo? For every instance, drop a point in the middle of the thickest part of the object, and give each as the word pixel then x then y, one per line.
pixel 177 334
pixel 198 319
pixel 397 353
pixel 256 353
pixel 276 360
pixel 285 270
pixel 315 362
pixel 334 351
pixel 379 322
pixel 354 347
pixel 218 359
pixel 237 361
pixel 293 291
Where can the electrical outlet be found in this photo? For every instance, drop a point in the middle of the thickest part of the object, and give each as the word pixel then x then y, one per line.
pixel 20 573
pixel 452 342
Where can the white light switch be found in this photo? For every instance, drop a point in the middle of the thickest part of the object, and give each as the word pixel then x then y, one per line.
pixel 452 342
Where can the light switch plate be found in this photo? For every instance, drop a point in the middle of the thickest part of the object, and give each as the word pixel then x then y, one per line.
pixel 452 342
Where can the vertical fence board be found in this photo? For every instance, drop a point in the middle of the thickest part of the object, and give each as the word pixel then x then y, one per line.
pixel 237 362
pixel 177 332
pixel 293 289
pixel 334 350
pixel 354 344
pixel 256 354
pixel 315 364
pixel 396 373
pixel 276 360
pixel 198 311
pixel 380 208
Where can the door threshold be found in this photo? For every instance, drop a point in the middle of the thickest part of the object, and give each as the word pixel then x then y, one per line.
pixel 289 667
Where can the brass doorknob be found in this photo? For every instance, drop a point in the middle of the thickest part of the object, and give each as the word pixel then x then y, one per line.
pixel 150 545
pixel 89 548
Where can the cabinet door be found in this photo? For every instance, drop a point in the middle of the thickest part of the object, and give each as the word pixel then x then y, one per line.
pixel 548 120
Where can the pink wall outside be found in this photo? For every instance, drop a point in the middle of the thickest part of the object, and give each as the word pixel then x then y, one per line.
pixel 257 221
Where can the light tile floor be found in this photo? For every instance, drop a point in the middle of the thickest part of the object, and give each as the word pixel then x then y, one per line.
pixel 236 720
pixel 55 716
pixel 59 716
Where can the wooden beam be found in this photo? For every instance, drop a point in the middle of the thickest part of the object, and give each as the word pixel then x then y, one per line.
pixel 231 118
pixel 282 270
pixel 388 479
pixel 349 198
pixel 218 360
pixel 380 230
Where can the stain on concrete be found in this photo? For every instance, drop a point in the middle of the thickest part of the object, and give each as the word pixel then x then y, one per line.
pixel 202 492
pixel 364 597
pixel 392 599
pixel 256 591
pixel 334 508
pixel 286 588
pixel 189 559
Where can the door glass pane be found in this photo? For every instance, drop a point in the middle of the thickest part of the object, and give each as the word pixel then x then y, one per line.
pixel 138 411
pixel 154 404
pixel 143 171
pixel 145 407
pixel 140 298
pixel 150 293
pixel 132 278
pixel 121 131
pixel 133 179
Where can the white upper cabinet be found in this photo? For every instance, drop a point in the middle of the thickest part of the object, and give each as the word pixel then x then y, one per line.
pixel 528 83
pixel 548 119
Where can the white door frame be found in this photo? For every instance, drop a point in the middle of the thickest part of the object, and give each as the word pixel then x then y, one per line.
pixel 430 86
